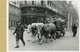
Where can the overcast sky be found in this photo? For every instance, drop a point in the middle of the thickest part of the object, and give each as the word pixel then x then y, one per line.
pixel 76 4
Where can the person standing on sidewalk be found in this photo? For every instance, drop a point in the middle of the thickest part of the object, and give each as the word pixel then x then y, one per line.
pixel 19 34
pixel 74 29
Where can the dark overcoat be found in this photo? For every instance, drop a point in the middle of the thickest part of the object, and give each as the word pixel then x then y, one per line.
pixel 19 31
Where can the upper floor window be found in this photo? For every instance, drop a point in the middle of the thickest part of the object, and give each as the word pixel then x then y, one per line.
pixel 48 2
pixel 42 2
pixel 25 2
pixel 14 2
pixel 33 3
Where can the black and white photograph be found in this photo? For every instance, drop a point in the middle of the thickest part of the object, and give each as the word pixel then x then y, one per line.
pixel 43 25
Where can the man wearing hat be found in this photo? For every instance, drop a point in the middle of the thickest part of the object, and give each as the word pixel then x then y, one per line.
pixel 19 34
pixel 74 29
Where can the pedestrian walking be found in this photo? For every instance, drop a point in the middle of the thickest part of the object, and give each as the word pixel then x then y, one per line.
pixel 74 29
pixel 19 34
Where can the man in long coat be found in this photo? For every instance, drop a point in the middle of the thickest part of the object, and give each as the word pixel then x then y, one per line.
pixel 19 34
pixel 74 29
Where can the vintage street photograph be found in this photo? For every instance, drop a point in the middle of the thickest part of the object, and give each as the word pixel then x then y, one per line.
pixel 43 25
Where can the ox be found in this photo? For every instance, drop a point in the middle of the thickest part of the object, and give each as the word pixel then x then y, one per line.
pixel 46 30
pixel 33 29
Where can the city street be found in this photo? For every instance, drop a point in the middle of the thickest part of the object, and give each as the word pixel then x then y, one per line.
pixel 61 13
pixel 66 43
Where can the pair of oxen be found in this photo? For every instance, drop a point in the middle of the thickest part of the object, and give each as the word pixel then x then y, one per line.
pixel 47 30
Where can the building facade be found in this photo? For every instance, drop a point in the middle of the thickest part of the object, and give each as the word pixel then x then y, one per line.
pixel 14 13
pixel 72 16
pixel 42 11
pixel 34 11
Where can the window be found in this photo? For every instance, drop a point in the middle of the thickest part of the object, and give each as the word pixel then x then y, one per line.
pixel 49 2
pixel 11 5
pixel 32 2
pixel 25 2
pixel 11 23
pixel 15 23
pixel 42 2
pixel 14 2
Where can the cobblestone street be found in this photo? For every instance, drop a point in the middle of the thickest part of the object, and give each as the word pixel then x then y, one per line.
pixel 66 43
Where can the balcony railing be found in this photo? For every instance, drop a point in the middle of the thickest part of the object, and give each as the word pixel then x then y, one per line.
pixel 38 14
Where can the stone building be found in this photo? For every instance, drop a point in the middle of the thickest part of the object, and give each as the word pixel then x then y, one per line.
pixel 72 16
pixel 42 10
pixel 14 13
pixel 34 11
